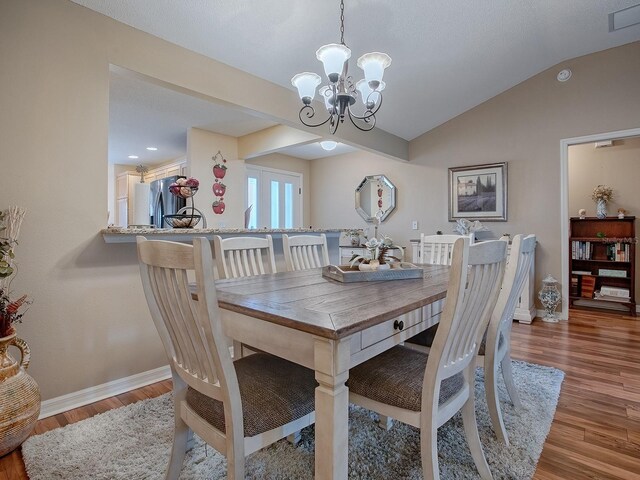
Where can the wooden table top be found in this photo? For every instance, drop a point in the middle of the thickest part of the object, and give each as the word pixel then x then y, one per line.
pixel 309 302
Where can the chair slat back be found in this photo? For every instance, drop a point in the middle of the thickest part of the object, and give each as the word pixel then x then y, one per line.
pixel 303 252
pixel 239 257
pixel 515 275
pixel 437 249
pixel 476 277
pixel 190 330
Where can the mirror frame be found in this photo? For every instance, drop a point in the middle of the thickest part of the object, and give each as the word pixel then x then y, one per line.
pixel 377 178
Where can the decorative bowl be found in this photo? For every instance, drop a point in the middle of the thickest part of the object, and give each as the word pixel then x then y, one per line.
pixel 181 220
pixel 184 191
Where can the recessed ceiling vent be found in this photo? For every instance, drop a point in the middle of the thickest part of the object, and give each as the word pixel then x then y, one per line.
pixel 624 18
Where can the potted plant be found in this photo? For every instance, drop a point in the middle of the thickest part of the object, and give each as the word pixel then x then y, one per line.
pixel 19 392
pixel 379 253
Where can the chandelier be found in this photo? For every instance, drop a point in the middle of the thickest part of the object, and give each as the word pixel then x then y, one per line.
pixel 340 93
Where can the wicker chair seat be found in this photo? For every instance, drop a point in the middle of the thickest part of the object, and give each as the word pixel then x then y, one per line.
pixel 426 338
pixel 274 392
pixel 395 378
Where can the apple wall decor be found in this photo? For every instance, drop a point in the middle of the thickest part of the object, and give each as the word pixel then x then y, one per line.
pixel 219 188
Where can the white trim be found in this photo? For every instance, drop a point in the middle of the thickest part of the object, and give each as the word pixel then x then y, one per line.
pixel 89 395
pixel 564 200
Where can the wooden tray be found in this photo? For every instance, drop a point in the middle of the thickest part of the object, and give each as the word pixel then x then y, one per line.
pixel 348 274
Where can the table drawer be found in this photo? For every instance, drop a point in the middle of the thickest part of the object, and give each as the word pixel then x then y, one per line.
pixel 385 330
pixel 433 309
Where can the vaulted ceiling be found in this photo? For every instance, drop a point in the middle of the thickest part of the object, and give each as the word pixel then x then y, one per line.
pixel 448 56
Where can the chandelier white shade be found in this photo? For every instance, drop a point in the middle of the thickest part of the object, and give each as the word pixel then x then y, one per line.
pixel 373 65
pixel 333 57
pixel 340 92
pixel 367 93
pixel 306 83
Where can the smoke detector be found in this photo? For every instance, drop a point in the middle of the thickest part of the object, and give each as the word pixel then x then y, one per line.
pixel 564 75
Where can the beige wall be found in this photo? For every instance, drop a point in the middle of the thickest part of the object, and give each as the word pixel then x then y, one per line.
pixel 523 126
pixel 201 146
pixel 618 167
pixel 291 164
pixel 333 184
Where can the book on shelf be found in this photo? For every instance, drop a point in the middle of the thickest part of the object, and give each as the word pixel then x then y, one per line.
pixel 618 252
pixel 608 298
pixel 581 250
pixel 614 291
pixel 581 272
pixel 607 272
pixel 588 286
pixel 574 287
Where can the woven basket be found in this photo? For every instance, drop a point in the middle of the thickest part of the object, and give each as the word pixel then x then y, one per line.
pixel 19 396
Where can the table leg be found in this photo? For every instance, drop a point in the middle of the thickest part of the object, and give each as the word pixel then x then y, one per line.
pixel 331 361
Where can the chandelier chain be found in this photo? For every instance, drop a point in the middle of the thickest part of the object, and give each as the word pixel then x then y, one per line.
pixel 342 22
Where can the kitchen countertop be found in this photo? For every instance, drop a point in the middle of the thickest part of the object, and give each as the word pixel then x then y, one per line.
pixel 128 235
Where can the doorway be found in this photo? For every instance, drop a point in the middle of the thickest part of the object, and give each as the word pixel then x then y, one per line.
pixel 275 198
pixel 564 199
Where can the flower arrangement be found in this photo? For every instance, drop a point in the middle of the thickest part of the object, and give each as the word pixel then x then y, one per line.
pixel 10 310
pixel 377 249
pixel 602 192
pixel 465 227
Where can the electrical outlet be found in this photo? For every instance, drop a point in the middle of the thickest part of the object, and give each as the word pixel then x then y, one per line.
pixel 414 225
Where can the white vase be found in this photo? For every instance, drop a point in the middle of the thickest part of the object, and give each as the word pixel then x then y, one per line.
pixel 601 208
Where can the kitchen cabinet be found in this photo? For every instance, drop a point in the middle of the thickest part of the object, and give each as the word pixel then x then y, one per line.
pixel 125 184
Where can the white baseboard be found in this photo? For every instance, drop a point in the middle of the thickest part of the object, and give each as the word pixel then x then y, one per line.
pixel 89 395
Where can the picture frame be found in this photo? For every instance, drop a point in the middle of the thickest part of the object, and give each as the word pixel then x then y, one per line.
pixel 478 192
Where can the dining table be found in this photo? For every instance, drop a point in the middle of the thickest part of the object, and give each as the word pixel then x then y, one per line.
pixel 329 327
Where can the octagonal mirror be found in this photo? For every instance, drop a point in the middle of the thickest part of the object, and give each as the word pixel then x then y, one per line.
pixel 375 198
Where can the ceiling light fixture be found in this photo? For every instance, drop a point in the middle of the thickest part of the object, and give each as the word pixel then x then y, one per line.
pixel 152 149
pixel 564 75
pixel 328 145
pixel 133 157
pixel 340 93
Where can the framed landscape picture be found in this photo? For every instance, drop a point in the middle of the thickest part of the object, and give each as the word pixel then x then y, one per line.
pixel 478 192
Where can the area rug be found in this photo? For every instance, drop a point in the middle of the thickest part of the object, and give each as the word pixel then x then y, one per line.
pixel 133 442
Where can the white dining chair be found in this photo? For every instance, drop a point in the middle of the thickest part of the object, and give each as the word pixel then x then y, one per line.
pixel 239 257
pixel 303 252
pixel 426 390
pixel 236 407
pixel 437 249
pixel 495 349
pixel 434 250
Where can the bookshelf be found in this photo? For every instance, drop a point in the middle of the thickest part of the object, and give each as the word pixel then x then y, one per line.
pixel 602 254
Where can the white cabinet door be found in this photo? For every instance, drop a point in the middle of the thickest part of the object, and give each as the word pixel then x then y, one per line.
pixel 121 186
pixel 122 214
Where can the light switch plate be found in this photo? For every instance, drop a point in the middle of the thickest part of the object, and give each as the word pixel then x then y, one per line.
pixel 414 225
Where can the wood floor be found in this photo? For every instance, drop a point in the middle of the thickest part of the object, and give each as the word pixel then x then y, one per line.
pixel 596 431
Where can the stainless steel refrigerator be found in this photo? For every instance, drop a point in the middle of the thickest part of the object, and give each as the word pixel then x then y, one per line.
pixel 162 201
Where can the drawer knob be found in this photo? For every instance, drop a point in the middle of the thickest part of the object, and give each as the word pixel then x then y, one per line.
pixel 398 325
